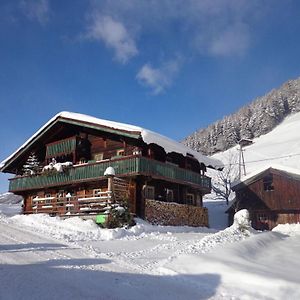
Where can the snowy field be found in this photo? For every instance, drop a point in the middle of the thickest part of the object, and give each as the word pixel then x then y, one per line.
pixel 44 257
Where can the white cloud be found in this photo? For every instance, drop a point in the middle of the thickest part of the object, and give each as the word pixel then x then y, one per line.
pixel 158 79
pixel 232 41
pixel 114 35
pixel 218 28
pixel 36 10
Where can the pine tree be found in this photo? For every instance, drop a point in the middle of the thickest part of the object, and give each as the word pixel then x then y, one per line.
pixel 32 165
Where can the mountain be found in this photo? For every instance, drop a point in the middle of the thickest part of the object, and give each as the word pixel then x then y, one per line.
pixel 251 121
pixel 281 147
pixel 10 198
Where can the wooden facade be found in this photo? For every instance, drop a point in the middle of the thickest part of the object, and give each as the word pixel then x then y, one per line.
pixel 272 197
pixel 146 170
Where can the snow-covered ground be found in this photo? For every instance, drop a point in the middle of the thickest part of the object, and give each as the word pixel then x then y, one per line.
pixel 44 257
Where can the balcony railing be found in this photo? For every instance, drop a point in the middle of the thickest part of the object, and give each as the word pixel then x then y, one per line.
pixel 125 166
pixel 72 205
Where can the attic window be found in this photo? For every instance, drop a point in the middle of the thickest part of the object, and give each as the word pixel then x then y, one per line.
pixel 268 183
pixel 121 152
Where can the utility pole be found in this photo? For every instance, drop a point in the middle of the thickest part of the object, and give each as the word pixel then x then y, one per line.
pixel 242 165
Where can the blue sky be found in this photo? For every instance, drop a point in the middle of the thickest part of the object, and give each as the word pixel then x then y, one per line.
pixel 172 66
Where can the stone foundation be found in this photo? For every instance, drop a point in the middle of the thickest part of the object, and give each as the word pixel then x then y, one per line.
pixel 170 213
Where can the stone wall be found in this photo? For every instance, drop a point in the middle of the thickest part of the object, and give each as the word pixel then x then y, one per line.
pixel 170 213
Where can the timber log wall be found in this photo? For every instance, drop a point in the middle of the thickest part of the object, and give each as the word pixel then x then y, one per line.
pixel 170 213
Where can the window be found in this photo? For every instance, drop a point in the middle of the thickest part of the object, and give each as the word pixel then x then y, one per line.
pixel 60 194
pixel 70 195
pixel 121 152
pixel 98 156
pixel 268 183
pixel 262 221
pixel 261 217
pixel 60 197
pixel 190 199
pixel 149 192
pixel 137 151
pixel 97 192
pixel 82 160
pixel 199 200
pixel 169 195
pixel 34 199
pixel 48 201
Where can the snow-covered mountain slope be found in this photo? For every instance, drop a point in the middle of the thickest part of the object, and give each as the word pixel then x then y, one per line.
pixel 280 147
pixel 10 198
pixel 251 121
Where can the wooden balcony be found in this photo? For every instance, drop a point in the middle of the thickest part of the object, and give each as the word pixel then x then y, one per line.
pixel 125 166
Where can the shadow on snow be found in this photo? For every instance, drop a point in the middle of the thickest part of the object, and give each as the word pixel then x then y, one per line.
pixel 86 279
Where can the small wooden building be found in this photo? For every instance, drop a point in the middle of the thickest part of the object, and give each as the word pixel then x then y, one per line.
pixel 71 152
pixel 272 196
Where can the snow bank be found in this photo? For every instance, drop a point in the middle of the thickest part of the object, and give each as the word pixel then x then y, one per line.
pixel 75 229
pixel 263 266
pixel 240 230
pixel 289 229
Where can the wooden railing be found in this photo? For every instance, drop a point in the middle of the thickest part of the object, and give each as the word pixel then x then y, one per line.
pixel 73 205
pixel 129 165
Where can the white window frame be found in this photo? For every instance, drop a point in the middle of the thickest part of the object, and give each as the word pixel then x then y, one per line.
pixel 48 201
pixel 97 192
pixel 121 151
pixel 98 156
pixel 170 195
pixel 190 198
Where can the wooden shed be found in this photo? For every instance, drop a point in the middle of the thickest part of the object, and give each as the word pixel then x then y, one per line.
pixel 272 196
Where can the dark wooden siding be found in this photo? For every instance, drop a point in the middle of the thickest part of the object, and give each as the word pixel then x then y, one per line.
pixel 284 196
pixel 269 207
pixel 109 147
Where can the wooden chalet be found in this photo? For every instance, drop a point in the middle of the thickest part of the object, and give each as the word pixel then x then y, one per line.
pixel 272 196
pixel 147 166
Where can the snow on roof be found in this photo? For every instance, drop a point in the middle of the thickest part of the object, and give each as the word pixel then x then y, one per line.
pixel 148 137
pixel 258 171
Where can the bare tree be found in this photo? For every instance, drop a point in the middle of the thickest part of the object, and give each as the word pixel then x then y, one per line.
pixel 223 180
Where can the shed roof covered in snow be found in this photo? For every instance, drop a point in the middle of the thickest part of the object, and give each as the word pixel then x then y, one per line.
pixel 131 131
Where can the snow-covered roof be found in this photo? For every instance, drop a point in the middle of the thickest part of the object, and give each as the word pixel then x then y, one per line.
pixel 146 135
pixel 248 178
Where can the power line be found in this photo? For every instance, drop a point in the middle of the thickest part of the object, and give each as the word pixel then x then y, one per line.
pixel 265 159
